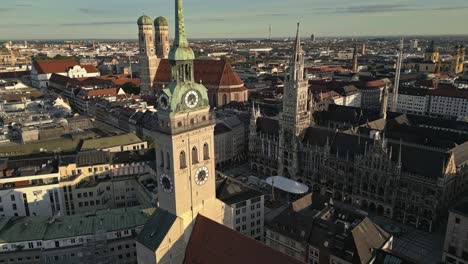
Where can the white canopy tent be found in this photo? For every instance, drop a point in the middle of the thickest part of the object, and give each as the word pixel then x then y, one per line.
pixel 287 185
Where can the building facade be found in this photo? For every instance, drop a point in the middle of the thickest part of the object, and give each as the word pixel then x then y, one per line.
pixel 100 237
pixel 456 236
pixel 385 176
pixel 247 203
pixel 73 184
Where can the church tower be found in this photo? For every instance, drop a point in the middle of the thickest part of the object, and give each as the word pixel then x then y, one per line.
pixel 296 116
pixel 184 139
pixel 458 59
pixel 148 59
pixel 161 35
pixel 431 53
pixel 355 59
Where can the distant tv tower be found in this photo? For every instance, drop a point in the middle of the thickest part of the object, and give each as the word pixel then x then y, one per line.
pixel 269 33
pixel 397 77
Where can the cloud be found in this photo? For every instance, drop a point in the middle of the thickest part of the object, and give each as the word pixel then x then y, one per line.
pixel 375 8
pixel 386 8
pixel 88 11
pixel 6 9
pixel 98 23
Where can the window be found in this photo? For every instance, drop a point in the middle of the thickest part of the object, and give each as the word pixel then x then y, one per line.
pixel 79 195
pixel 457 220
pixel 14 206
pixel 161 154
pixel 57 244
pixel 182 159
pixel 168 161
pixel 12 197
pixel 194 155
pixel 206 152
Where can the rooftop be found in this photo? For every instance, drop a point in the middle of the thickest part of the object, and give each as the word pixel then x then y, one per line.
pixel 108 142
pixel 231 191
pixel 461 208
pixel 211 242
pixel 20 229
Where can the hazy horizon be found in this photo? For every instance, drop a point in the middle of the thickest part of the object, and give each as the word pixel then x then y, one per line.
pixel 242 19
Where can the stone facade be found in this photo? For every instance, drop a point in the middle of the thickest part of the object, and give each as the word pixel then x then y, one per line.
pixel 410 183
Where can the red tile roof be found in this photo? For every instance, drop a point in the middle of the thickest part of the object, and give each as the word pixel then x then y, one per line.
pixel 58 66
pixel 447 90
pixel 118 81
pixel 210 72
pixel 213 243
pixel 99 93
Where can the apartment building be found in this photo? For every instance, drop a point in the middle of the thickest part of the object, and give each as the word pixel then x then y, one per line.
pixel 248 205
pixel 317 230
pixel 106 236
pixel 78 183
pixel 456 237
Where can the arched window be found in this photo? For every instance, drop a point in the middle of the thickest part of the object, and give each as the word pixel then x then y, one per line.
pixel 168 161
pixel 183 161
pixel 161 164
pixel 206 152
pixel 224 99
pixel 194 155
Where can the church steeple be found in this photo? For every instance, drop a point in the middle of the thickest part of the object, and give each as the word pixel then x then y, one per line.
pixel 184 134
pixel 181 50
pixel 296 67
pixel 183 94
pixel 296 115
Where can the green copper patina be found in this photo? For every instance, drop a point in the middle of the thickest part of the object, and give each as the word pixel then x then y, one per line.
pixel 144 20
pixel 161 22
pixel 182 82
pixel 180 49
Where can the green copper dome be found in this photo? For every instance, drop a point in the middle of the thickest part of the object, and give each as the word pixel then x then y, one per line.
pixel 161 22
pixel 144 20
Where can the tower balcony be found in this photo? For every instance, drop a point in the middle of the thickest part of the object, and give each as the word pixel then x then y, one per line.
pixel 173 128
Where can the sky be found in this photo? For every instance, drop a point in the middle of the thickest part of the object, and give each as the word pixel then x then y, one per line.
pixel 116 19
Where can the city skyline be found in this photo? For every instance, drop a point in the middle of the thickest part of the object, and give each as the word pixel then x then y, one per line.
pixel 213 19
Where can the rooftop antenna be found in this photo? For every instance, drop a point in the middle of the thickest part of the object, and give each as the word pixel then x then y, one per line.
pixel 397 77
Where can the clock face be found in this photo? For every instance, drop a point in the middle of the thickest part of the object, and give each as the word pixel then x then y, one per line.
pixel 191 99
pixel 163 102
pixel 201 176
pixel 166 183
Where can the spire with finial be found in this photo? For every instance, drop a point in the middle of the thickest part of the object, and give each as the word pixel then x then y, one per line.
pixel 180 48
pixel 297 59
pixel 180 40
